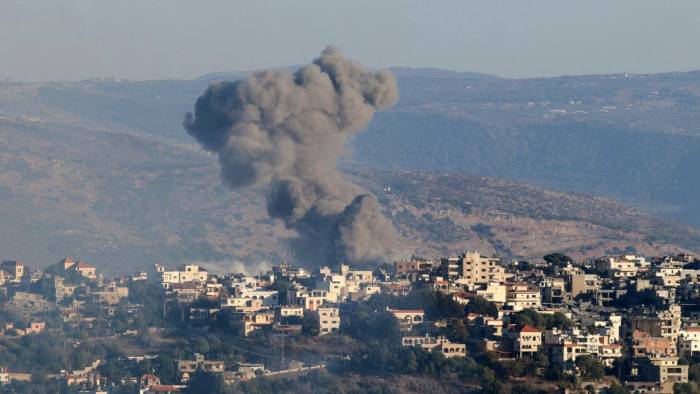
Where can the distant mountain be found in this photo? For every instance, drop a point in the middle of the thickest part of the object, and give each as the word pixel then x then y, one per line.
pixel 633 137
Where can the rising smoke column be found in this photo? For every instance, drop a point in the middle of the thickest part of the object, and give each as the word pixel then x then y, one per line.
pixel 286 131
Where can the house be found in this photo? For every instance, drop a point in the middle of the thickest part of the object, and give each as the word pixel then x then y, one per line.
pixel 248 322
pixel 621 266
pixel 5 277
pixel 553 290
pixel 644 344
pixel 607 354
pixel 84 269
pixel 660 370
pixel 666 323
pixel 185 273
pixel 689 341
pixel 584 284
pixel 269 298
pixel 527 340
pixel 187 367
pixel 439 344
pixel 309 299
pixel 494 292
pixel 163 389
pixel 472 268
pixel 415 264
pixel 408 317
pixel 150 384
pixel 329 320
pixel 14 268
pixel 567 352
pixel 610 328
pixel 521 296
pixel 287 311
pixel 35 327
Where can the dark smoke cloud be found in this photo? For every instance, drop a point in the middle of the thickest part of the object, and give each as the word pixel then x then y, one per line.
pixel 287 130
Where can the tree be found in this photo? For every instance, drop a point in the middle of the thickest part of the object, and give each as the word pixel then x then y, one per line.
pixel 686 388
pixel 205 382
pixel 590 367
pixel 481 306
pixel 166 369
pixel 525 388
pixel 530 317
pixel 615 389
pixel 558 259
pixel 363 325
pixel 310 324
pixel 150 295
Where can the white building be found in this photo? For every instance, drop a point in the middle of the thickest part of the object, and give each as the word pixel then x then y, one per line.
pixel 329 320
pixel 184 274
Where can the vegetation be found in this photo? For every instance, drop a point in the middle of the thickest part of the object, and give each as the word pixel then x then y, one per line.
pixel 542 321
pixel 480 305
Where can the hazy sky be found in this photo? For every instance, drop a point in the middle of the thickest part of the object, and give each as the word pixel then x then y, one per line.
pixel 66 40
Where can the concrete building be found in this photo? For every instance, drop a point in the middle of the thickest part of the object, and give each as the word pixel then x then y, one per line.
pixel 14 268
pixel 689 342
pixel 644 344
pixel 328 320
pixel 625 266
pixel 527 340
pixel 472 268
pixel 521 296
pixel 187 367
pixel 494 292
pixel 584 284
pixel 439 344
pixel 184 274
pixel 408 317
pixel 661 370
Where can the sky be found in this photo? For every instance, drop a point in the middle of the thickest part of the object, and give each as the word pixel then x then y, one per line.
pixel 42 40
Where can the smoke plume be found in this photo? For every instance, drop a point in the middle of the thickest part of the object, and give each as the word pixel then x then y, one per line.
pixel 286 131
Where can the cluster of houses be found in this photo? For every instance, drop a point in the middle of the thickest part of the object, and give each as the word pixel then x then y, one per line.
pixel 644 340
pixel 638 314
pixel 635 314
pixel 251 303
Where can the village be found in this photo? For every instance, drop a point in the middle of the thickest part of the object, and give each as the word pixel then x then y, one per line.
pixel 624 322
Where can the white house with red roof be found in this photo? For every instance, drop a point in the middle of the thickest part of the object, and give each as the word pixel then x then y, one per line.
pixel 527 340
pixel 81 267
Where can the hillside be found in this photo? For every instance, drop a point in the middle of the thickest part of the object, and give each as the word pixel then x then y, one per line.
pixel 125 201
pixel 635 138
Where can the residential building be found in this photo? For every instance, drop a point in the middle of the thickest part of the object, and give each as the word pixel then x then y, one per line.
pixel 329 320
pixel 521 296
pixel 472 268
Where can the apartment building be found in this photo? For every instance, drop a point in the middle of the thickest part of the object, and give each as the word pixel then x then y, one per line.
pixel 472 268
pixel 185 273
pixel 329 320
pixel 521 296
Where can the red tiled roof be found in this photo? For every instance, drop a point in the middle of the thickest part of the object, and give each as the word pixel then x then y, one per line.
pixel 81 264
pixel 149 377
pixel 529 329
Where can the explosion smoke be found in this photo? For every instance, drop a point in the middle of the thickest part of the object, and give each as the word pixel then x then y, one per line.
pixel 287 130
